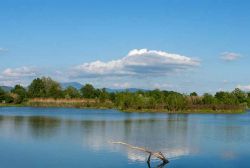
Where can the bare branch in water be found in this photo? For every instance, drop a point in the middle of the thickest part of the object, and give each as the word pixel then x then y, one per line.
pixel 158 155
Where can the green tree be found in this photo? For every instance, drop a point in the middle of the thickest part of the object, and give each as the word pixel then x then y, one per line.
pixel 175 102
pixel 248 99
pixel 240 95
pixel 226 98
pixel 37 88
pixel 157 95
pixel 248 95
pixel 208 99
pixel 9 98
pixel 55 91
pixel 193 94
pixel 71 92
pixel 112 97
pixel 2 95
pixel 21 93
pixel 127 101
pixel 88 91
pixel 52 88
pixel 103 96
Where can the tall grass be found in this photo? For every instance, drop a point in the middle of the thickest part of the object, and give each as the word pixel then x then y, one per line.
pixel 76 103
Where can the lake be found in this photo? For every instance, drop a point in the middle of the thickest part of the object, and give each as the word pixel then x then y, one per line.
pixel 74 138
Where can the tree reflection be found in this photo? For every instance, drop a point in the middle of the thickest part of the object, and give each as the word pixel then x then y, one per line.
pixel 161 165
pixel 43 126
pixel 175 135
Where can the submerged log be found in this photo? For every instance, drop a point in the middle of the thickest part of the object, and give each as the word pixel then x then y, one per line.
pixel 158 155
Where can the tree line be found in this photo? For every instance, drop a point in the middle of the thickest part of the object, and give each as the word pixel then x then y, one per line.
pixel 46 87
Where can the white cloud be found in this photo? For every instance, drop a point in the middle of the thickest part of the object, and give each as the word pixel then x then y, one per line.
pixel 122 85
pixel 11 82
pixel 140 62
pixel 225 81
pixel 21 75
pixel 230 56
pixel 20 72
pixel 162 86
pixel 244 87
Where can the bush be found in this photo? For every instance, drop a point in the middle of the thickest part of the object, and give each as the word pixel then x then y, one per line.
pixel 9 99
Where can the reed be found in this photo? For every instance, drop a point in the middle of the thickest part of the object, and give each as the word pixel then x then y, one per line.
pixel 75 103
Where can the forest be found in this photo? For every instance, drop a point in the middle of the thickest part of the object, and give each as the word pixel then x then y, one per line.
pixel 46 92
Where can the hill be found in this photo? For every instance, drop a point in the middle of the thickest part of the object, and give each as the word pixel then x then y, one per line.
pixel 6 88
pixel 73 84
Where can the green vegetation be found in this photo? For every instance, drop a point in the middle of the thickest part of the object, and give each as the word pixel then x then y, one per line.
pixel 21 94
pixel 46 92
pixel 71 92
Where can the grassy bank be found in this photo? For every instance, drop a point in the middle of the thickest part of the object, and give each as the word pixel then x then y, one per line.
pixel 69 103
pixel 11 105
pixel 202 109
pixel 96 104
pixel 187 111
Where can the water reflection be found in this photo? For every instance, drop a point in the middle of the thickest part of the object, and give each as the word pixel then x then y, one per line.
pixel 176 136
pixel 168 136
pixel 161 165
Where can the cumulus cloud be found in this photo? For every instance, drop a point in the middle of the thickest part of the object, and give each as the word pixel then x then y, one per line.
pixel 19 72
pixel 138 62
pixel 230 56
pixel 22 75
pixel 244 87
pixel 10 82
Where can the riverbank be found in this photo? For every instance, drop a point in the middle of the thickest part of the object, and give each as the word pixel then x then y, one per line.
pixel 11 105
pixel 189 111
pixel 96 104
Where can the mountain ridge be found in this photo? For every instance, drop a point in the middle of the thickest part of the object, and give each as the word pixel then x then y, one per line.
pixel 78 86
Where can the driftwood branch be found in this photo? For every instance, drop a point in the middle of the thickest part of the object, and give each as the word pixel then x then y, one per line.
pixel 158 155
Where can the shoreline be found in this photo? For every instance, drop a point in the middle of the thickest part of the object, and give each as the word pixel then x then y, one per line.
pixel 189 111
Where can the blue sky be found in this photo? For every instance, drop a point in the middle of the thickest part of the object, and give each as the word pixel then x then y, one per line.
pixel 175 44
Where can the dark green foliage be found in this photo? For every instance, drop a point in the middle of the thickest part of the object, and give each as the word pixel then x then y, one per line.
pixel 175 102
pixel 208 99
pixel 5 97
pixel 248 95
pixel 226 98
pixel 88 91
pixel 150 100
pixel 156 100
pixel 45 88
pixel 112 97
pixel 248 99
pixel 2 95
pixel 37 89
pixel 157 94
pixel 52 88
pixel 54 91
pixel 20 92
pixel 9 99
pixel 103 95
pixel 71 92
pixel 240 95
pixel 193 94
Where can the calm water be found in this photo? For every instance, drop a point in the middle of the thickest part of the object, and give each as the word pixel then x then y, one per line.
pixel 77 138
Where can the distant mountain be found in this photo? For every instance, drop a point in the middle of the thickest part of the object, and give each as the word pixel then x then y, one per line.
pixel 78 86
pixel 6 88
pixel 73 84
pixel 123 90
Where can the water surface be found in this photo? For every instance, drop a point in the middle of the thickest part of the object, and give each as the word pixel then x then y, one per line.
pixel 74 138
